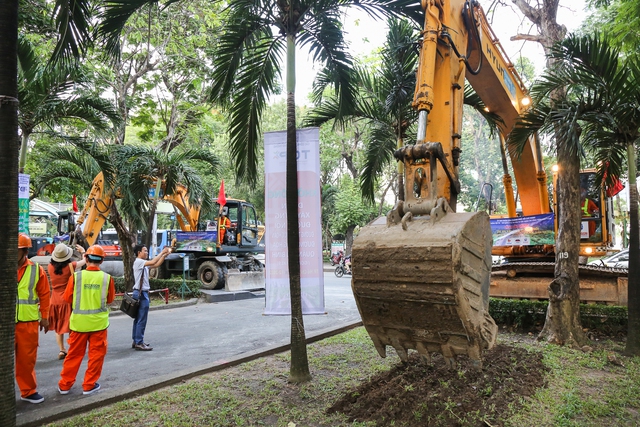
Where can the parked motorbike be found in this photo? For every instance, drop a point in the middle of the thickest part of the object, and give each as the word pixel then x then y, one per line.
pixel 342 267
pixel 336 257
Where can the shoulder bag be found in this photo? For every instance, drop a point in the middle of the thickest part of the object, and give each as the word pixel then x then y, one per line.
pixel 129 305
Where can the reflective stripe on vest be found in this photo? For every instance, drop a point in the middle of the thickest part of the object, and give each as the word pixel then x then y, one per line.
pixel 27 300
pixel 585 208
pixel 89 309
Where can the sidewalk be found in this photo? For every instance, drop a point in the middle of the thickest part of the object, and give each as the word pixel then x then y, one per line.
pixel 189 339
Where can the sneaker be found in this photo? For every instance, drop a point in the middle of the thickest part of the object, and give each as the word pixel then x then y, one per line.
pixel 143 347
pixel 61 391
pixel 33 398
pixel 95 388
pixel 133 344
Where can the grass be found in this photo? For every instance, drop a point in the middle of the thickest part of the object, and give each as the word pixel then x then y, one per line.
pixel 598 388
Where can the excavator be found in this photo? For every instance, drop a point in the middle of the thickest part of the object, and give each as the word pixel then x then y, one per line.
pixel 422 274
pixel 236 262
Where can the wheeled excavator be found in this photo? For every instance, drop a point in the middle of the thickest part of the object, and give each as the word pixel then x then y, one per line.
pixel 422 273
pixel 236 262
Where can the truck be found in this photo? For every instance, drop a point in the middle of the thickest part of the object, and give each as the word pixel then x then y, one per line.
pixel 236 263
pixel 422 274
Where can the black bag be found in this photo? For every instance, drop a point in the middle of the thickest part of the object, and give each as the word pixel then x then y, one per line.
pixel 129 305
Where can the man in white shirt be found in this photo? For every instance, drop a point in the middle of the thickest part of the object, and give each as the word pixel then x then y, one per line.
pixel 141 291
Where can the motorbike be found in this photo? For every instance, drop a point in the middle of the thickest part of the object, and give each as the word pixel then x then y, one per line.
pixel 336 257
pixel 342 267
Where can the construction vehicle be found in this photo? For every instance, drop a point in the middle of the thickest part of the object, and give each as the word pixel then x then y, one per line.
pixel 235 263
pixel 422 274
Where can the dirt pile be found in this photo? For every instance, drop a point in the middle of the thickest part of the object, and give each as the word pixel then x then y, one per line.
pixel 418 394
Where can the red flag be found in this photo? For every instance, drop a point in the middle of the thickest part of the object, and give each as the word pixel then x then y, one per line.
pixel 222 198
pixel 75 204
pixel 615 188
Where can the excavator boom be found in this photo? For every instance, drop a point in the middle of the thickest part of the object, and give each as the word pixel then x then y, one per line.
pixel 421 275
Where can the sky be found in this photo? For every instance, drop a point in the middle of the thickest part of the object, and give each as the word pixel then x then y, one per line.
pixel 364 35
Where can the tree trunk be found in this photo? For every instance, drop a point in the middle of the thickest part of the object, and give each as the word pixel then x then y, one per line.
pixel 562 325
pixel 348 239
pixel 633 297
pixel 9 144
pixel 127 241
pixel 299 369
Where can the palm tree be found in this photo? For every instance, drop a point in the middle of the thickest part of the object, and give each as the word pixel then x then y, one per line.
pixel 599 113
pixel 384 103
pixel 132 170
pixel 8 184
pixel 50 94
pixel 258 34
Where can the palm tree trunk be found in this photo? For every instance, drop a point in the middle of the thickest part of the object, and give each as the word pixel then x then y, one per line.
pixel 633 297
pixel 562 325
pixel 23 151
pixel 299 369
pixel 9 144
pixel 127 241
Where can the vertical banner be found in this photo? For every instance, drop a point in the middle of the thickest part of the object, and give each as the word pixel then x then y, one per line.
pixel 277 300
pixel 23 203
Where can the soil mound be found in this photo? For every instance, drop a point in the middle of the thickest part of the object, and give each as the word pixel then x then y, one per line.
pixel 419 394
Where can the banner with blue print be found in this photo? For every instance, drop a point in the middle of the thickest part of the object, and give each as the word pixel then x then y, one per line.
pixel 523 230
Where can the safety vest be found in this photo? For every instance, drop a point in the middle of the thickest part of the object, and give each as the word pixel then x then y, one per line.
pixel 89 307
pixel 585 208
pixel 28 302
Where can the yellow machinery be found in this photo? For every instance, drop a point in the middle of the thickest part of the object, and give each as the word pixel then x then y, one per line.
pixel 235 263
pixel 421 275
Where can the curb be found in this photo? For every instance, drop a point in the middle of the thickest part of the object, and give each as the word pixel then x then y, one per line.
pixel 192 301
pixel 108 397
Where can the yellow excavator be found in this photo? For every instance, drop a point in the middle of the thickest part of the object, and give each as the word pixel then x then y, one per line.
pixel 421 275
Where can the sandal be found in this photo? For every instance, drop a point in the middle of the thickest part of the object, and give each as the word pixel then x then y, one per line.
pixel 62 355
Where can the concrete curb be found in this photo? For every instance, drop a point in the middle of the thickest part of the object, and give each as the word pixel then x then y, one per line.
pixel 192 301
pixel 107 397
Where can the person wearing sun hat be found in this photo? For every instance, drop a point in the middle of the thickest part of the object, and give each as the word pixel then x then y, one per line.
pixel 60 269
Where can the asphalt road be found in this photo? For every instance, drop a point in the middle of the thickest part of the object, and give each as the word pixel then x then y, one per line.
pixel 186 341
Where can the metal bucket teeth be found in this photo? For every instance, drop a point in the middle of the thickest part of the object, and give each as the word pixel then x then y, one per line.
pixel 427 287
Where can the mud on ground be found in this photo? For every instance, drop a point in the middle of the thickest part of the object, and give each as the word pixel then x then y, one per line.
pixel 421 394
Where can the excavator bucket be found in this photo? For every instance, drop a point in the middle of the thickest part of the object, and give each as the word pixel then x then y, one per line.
pixel 424 285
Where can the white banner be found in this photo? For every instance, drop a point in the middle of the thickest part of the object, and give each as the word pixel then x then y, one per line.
pixel 277 299
pixel 23 203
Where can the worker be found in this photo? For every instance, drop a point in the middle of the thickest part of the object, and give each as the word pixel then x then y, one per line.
pixel 141 266
pixel 32 315
pixel 225 223
pixel 89 292
pixel 60 269
pixel 589 209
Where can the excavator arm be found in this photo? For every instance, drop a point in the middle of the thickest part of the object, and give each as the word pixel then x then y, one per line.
pixel 421 275
pixel 98 205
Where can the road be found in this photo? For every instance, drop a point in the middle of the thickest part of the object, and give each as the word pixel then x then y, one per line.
pixel 185 341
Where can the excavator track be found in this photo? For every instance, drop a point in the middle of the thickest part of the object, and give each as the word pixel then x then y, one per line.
pixel 530 280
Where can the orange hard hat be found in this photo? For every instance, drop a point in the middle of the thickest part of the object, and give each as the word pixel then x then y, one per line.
pixel 95 250
pixel 24 241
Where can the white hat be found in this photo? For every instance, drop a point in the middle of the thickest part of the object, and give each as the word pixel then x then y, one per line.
pixel 61 253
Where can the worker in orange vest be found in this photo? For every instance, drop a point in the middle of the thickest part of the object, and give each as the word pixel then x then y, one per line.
pixel 89 292
pixel 225 223
pixel 32 314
